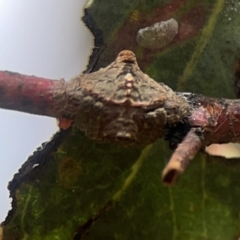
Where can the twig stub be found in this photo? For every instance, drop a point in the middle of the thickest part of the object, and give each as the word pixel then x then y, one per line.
pixel 182 156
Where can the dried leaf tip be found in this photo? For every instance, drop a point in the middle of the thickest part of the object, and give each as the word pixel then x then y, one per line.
pixel 182 156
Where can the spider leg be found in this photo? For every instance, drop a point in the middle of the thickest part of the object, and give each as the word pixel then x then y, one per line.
pixel 64 123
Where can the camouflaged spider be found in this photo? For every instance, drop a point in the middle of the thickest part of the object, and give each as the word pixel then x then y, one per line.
pixel 123 105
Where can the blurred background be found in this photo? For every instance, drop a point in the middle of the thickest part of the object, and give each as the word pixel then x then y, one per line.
pixel 42 38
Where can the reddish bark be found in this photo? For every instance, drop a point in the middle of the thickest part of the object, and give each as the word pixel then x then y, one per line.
pixel 219 119
pixel 27 93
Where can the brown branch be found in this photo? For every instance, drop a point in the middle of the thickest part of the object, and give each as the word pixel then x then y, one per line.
pixel 218 117
pixel 27 93
pixel 182 156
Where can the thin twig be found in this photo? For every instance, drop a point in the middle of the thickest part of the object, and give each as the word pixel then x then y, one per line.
pixel 182 156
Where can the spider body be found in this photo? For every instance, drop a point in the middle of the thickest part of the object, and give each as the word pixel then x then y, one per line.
pixel 121 104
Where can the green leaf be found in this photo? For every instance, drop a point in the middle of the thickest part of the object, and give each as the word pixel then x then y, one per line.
pixel 75 188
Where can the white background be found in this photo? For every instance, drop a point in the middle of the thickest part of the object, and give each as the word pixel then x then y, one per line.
pixel 43 38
